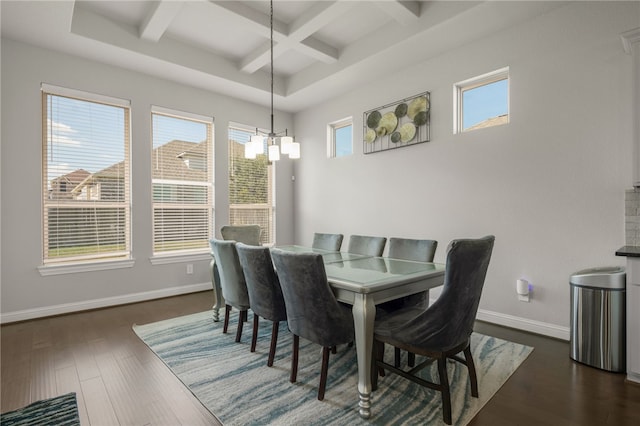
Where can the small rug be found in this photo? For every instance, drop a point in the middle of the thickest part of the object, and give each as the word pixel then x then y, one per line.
pixel 58 411
pixel 239 389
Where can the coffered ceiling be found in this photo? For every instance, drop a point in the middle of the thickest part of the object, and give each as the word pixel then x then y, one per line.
pixel 321 48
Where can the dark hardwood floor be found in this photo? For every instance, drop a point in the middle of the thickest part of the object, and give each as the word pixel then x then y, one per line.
pixel 119 381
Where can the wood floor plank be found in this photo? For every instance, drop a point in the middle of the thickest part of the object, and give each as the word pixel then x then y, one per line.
pixel 85 361
pixel 67 381
pixel 97 402
pixel 124 393
pixel 153 406
pixel 42 374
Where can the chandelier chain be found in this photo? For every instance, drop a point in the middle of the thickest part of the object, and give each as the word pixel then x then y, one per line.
pixel 271 50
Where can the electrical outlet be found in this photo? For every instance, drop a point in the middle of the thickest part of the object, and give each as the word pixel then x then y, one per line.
pixel 189 268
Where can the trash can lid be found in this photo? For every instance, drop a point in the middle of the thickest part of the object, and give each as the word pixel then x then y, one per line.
pixel 611 277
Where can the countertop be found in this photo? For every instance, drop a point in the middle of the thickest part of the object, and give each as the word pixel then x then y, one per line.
pixel 629 251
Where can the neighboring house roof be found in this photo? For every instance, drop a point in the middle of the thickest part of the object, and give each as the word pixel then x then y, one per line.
pixel 493 121
pixel 74 178
pixel 169 161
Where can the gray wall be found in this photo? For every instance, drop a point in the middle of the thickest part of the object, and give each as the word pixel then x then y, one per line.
pixel 550 185
pixel 25 293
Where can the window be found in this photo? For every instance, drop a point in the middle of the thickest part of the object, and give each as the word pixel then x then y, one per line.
pixel 251 186
pixel 340 138
pixel 182 180
pixel 482 101
pixel 85 169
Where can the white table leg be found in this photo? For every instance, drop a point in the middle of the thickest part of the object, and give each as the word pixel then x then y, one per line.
pixel 217 291
pixel 364 314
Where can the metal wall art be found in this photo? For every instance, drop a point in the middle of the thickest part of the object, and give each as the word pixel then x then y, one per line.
pixel 395 125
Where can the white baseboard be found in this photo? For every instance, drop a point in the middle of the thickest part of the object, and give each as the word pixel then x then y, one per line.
pixel 633 378
pixel 532 326
pixel 525 324
pixel 8 317
pixel 519 323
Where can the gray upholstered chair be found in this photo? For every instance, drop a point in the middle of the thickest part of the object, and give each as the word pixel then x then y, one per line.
pixel 331 242
pixel 265 294
pixel 313 312
pixel 247 234
pixel 443 330
pixel 370 246
pixel 409 249
pixel 232 282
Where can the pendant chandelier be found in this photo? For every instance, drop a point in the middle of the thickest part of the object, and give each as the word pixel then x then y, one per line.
pixel 276 144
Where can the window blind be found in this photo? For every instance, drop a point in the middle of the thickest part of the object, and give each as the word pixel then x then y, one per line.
pixel 251 186
pixel 85 170
pixel 182 180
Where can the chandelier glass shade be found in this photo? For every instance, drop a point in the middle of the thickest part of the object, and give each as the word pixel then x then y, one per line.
pixel 275 143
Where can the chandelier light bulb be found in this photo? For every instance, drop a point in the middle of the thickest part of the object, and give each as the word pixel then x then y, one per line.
pixel 294 150
pixel 249 150
pixel 258 144
pixel 274 153
pixel 285 144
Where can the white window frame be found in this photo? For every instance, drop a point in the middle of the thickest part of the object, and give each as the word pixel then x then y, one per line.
pixel 331 135
pixel 178 256
pixel 95 263
pixel 473 83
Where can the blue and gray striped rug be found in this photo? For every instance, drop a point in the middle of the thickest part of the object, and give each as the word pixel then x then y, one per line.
pixel 238 387
pixel 58 411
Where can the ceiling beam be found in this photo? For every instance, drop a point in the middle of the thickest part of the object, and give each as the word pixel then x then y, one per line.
pixel 160 15
pixel 300 38
pixel 404 12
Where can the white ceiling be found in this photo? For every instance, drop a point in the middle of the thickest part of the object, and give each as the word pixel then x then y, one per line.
pixel 321 48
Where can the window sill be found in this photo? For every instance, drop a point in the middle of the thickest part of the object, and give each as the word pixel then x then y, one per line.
pixel 179 258
pixel 47 270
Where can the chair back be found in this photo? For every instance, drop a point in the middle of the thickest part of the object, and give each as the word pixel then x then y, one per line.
pixel 313 312
pixel 331 242
pixel 263 286
pixel 247 234
pixel 409 249
pixel 369 246
pixel 448 322
pixel 232 282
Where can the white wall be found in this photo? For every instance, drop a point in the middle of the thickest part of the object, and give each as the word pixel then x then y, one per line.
pixel 549 185
pixel 25 293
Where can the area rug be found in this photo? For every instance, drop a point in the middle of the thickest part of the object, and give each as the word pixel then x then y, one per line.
pixel 239 389
pixel 58 411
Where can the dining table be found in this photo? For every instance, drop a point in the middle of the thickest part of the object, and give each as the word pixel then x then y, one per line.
pixel 363 282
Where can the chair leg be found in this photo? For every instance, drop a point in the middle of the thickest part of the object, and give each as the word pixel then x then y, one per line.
pixel 241 317
pixel 375 371
pixel 274 341
pixel 227 311
pixel 254 335
pixel 396 359
pixel 411 359
pixel 334 349
pixel 446 393
pixel 380 356
pixel 472 371
pixel 294 359
pixel 323 372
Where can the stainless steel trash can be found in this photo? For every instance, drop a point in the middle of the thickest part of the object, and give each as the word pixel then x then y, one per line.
pixel 598 333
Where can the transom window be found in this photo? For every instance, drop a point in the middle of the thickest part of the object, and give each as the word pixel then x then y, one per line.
pixel 85 169
pixel 482 101
pixel 340 138
pixel 182 180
